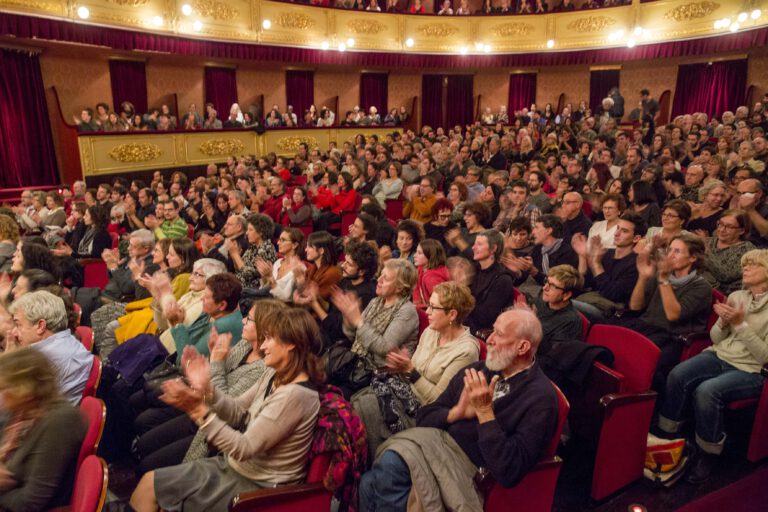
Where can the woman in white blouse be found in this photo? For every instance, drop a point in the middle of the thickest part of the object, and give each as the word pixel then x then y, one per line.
pixel 390 186
pixel 279 279
pixel 612 206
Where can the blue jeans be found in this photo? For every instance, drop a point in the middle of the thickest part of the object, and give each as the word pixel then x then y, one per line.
pixel 709 384
pixel 386 486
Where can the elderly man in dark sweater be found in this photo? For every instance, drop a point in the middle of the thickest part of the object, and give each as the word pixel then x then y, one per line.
pixel 498 415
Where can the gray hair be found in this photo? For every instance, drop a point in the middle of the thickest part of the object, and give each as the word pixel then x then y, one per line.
pixel 145 237
pixel 706 188
pixel 527 326
pixel 42 305
pixel 239 194
pixel 209 267
pixel 405 274
pixel 242 221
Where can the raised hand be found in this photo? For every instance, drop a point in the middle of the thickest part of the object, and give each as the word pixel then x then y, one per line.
pixel 646 268
pixel 579 244
pixel 349 306
pixel 399 361
pixel 479 390
pixel 182 397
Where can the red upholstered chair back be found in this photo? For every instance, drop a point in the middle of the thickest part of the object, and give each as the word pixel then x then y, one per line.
pixel 394 209
pixel 423 320
pixel 190 231
pixel 86 336
pixel 483 349
pixel 94 273
pixel 318 467
pixel 93 378
pixel 94 412
pixel 78 311
pixel 90 486
pixel 635 356
pixel 584 326
pixel 563 407
pixel 115 239
pixel 717 298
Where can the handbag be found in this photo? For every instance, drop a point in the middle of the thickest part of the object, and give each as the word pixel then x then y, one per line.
pixel 166 370
pixel 346 368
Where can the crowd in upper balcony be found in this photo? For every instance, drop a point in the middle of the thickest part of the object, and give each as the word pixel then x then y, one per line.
pixel 463 7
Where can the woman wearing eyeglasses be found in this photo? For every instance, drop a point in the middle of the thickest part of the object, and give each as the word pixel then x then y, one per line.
pixel 445 347
pixel 441 222
pixel 725 249
pixel 674 215
pixel 706 214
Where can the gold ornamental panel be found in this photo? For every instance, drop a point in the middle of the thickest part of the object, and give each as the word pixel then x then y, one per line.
pixel 690 11
pixel 130 3
pixel 135 153
pixel 214 9
pixel 294 20
pixel 437 30
pixel 591 24
pixel 221 147
pixel 291 144
pixel 512 29
pixel 365 26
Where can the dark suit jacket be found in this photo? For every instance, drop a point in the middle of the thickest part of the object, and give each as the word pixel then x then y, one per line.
pixel 563 256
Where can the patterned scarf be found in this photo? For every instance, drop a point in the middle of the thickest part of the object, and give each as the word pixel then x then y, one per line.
pixel 378 316
pixel 546 251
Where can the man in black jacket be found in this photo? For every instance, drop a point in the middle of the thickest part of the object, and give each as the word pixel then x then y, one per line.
pixel 498 414
pixel 550 250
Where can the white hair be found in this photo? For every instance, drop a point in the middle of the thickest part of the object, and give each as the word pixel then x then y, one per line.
pixel 42 305
pixel 209 267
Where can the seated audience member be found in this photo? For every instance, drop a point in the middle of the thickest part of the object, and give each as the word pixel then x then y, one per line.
pixel 705 215
pixel 265 434
pixel 574 219
pixel 388 323
pixel 549 251
pixel 751 198
pixel 235 241
pixel 429 260
pixel 457 195
pixel 234 369
pixel 610 274
pixel 643 202
pixel 517 242
pixel 725 372
pixel 725 250
pixel 385 232
pixel 419 203
pixel 499 414
pixel 612 206
pixel 9 238
pixel 409 235
pixel 96 237
pixel 40 322
pixel 358 277
pixel 389 186
pixel 674 215
pixel 41 436
pixel 171 225
pixel 477 218
pixel 673 298
pixel 344 200
pixel 323 272
pixel 259 236
pixel 278 279
pixel 517 205
pixel 492 286
pixel 445 347
pixel 296 211
pixel 215 212
pixel 440 223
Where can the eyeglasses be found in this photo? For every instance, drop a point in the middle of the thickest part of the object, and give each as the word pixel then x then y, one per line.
pixel 550 284
pixel 431 307
pixel 248 319
pixel 444 216
pixel 723 225
pixel 198 274
pixel 670 216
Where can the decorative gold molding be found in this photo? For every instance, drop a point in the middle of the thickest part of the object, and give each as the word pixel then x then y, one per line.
pixel 221 147
pixel 214 9
pixel 130 3
pixel 295 20
pixel 691 11
pixel 437 29
pixel 361 26
pixel 512 29
pixel 32 4
pixel 292 143
pixel 135 152
pixel 591 24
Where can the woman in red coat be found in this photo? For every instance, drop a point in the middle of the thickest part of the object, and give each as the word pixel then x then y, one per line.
pixel 344 200
pixel 430 263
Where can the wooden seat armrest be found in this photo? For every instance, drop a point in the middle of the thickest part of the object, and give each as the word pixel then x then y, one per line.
pixel 255 498
pixel 687 339
pixel 619 399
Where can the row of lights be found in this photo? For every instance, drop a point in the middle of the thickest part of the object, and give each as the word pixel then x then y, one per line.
pixel 733 26
pixel 638 32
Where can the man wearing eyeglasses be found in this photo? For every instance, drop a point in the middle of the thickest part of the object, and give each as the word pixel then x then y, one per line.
pixel 559 319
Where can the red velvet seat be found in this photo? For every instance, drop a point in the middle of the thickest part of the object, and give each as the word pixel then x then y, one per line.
pixel 394 209
pixel 78 312
pixel 115 239
pixel 191 231
pixel 86 336
pixel 423 320
pixel 90 486
pixel 93 378
pixel 695 342
pixel 483 349
pixel 95 273
pixel 536 491
pixel 307 497
pixel 620 404
pixel 95 413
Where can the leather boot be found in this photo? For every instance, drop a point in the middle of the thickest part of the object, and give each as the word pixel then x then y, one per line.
pixel 702 467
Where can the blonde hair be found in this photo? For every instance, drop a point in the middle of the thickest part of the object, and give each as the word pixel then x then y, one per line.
pixel 570 277
pixel 405 275
pixel 9 229
pixel 456 296
pixel 756 256
pixel 29 376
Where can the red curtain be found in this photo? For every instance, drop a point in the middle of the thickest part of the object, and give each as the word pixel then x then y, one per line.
pixel 432 100
pixel 711 88
pixel 31 27
pixel 522 91
pixel 374 93
pixel 459 100
pixel 129 83
pixel 220 89
pixel 600 82
pixel 27 157
pixel 300 91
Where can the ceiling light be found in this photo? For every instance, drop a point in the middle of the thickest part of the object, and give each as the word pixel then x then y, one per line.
pixel 734 27
pixel 756 14
pixel 350 42
pixel 550 43
pixel 197 26
pixel 463 50
pixel 638 31
pixel 324 45
pixel 631 43
pixel 83 12
pixel 409 42
pixel 742 17
pixel 718 24
pixel 266 24
pixel 725 22
pixel 486 48
pixel 186 10
pixel 478 46
pixel 157 21
pixel 342 47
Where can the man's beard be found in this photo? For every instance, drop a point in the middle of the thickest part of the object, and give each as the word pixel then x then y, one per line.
pixel 499 359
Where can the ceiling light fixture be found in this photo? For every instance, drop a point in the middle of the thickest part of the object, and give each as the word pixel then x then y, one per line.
pixel 409 42
pixel 324 45
pixel 342 47
pixel 157 21
pixel 550 43
pixel 463 50
pixel 742 17
pixel 487 48
pixel 756 14
pixel 83 12
pixel 631 43
pixel 186 10
pixel 350 43
pixel 266 24
pixel 734 27
pixel 197 26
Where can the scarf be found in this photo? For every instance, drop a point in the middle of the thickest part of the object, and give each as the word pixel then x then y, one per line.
pixel 14 433
pixel 679 282
pixel 546 251
pixel 378 316
pixel 86 243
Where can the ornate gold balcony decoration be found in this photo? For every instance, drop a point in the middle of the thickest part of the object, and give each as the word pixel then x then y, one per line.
pixel 222 147
pixel 437 30
pixel 295 20
pixel 135 152
pixel 512 29
pixel 360 26
pixel 31 4
pixel 591 24
pixel 130 3
pixel 291 144
pixel 214 9
pixel 691 11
